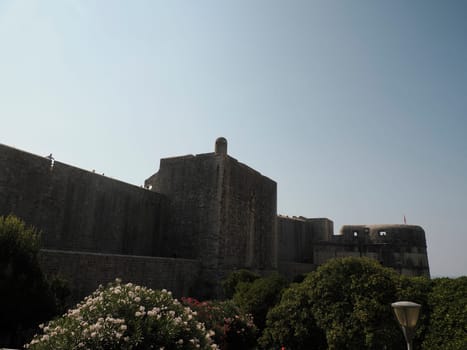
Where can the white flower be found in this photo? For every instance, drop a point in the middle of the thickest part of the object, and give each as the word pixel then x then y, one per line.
pixel 152 313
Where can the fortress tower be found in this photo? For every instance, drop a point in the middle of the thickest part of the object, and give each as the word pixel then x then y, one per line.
pixel 223 213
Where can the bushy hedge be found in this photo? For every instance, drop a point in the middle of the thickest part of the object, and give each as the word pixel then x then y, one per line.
pixel 126 316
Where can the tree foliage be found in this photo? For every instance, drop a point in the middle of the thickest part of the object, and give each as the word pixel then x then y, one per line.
pixel 417 289
pixel 351 301
pixel 230 284
pixel 344 304
pixel 291 323
pixel 259 296
pixel 447 328
pixel 27 298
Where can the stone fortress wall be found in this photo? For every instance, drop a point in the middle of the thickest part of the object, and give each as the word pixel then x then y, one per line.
pixel 306 241
pixel 198 218
pixel 94 228
pixel 80 210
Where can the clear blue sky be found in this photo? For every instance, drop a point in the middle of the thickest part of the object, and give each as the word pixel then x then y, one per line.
pixel 356 108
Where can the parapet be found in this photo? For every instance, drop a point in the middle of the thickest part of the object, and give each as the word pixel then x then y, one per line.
pixel 386 233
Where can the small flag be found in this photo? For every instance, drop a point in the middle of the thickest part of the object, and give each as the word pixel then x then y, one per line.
pixel 405 220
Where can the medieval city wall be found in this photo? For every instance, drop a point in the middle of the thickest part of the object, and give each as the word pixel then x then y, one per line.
pixel 297 236
pixel 80 210
pixel 197 219
pixel 88 270
pixel 308 243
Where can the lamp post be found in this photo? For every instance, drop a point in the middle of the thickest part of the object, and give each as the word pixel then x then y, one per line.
pixel 407 314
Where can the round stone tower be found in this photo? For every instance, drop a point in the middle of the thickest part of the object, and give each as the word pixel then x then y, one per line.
pixel 221 146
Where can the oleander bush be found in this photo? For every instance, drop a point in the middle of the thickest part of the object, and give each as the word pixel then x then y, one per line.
pixel 126 316
pixel 233 329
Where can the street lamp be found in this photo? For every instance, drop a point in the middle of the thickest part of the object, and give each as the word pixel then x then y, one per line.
pixel 407 314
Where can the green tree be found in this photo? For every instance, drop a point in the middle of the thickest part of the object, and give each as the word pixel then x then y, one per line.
pixel 26 298
pixel 229 285
pixel 417 289
pixel 291 323
pixel 447 328
pixel 259 296
pixel 351 301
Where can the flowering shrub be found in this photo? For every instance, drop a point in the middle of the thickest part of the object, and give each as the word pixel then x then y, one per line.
pixel 126 316
pixel 233 330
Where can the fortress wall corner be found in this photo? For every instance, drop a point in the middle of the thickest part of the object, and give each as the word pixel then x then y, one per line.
pixel 248 218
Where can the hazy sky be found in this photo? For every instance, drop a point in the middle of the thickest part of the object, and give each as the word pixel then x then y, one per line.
pixel 358 109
